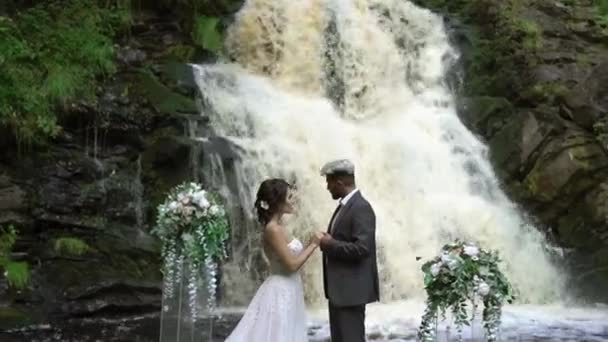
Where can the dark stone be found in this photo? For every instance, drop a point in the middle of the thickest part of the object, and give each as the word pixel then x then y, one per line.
pixel 536 81
pixel 579 108
pixel 598 83
pixel 12 197
pixel 484 114
pixel 131 56
pixel 135 328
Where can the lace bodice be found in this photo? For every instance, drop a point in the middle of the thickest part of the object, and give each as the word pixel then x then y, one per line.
pixel 276 267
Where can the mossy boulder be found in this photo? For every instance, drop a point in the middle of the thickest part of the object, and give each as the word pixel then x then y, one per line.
pixel 162 98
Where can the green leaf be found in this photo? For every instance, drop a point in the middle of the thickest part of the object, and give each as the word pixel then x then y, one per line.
pixel 428 278
pixel 205 33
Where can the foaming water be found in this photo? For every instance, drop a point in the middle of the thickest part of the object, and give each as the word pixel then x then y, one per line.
pixel 399 322
pixel 365 80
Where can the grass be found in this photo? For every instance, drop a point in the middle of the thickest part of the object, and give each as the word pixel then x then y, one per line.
pixel 16 272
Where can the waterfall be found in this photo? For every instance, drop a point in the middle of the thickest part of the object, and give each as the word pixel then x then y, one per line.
pixel 313 81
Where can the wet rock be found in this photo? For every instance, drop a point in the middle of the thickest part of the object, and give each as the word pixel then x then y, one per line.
pixel 131 56
pixel 543 112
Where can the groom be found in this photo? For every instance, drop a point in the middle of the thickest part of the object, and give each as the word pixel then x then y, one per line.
pixel 350 273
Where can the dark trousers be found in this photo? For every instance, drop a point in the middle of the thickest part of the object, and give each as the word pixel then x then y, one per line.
pixel 347 324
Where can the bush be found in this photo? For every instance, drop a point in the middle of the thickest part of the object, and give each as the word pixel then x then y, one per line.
pixel 51 54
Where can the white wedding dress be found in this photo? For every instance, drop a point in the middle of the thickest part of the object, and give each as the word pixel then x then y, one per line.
pixel 277 312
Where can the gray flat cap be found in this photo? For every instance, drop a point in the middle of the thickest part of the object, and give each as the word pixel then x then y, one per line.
pixel 338 166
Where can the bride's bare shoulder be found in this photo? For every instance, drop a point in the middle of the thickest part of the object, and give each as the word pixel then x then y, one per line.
pixel 273 228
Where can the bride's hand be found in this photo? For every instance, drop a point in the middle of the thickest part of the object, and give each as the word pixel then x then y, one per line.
pixel 316 238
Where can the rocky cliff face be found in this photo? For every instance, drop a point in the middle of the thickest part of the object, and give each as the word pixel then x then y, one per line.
pixel 535 89
pixel 84 204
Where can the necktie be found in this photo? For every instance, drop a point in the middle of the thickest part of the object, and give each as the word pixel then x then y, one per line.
pixel 334 218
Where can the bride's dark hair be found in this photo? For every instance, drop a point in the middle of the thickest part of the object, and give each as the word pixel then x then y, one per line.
pixel 272 194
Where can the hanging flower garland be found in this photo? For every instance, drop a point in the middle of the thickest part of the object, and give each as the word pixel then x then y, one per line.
pixel 193 227
pixel 464 273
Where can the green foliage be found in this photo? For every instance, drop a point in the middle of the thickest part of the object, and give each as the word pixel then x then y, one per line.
pixel 16 272
pixel 202 19
pixel 51 54
pixel 503 49
pixel 205 33
pixel 70 246
pixel 602 8
pixel 530 32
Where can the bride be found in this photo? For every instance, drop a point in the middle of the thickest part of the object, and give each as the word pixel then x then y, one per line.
pixel 277 311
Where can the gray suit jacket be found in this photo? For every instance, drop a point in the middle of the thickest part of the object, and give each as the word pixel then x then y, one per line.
pixel 350 271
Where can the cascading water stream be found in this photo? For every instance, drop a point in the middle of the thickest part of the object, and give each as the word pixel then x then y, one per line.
pixel 383 63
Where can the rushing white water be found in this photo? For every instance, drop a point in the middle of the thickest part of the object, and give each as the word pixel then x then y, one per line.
pixel 383 64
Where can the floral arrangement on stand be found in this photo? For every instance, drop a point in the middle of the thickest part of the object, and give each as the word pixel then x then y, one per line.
pixel 193 227
pixel 464 273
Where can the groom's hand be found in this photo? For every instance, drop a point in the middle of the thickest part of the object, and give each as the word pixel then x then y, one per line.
pixel 325 238
pixel 316 238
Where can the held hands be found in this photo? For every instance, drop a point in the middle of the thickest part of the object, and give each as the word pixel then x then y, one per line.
pixel 315 238
pixel 319 238
pixel 325 238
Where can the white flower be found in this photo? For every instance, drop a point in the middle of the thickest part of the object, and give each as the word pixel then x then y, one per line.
pixel 483 289
pixel 449 260
pixel 203 203
pixel 200 199
pixel 183 198
pixel 173 206
pixel 471 251
pixel 198 195
pixel 445 257
pixel 264 205
pixel 214 210
pixel 435 268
